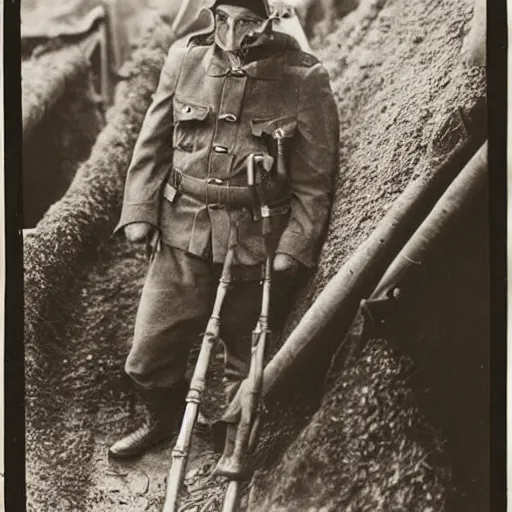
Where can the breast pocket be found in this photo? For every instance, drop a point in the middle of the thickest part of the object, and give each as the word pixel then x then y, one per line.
pixel 189 119
pixel 274 133
pixel 274 127
pixel 269 130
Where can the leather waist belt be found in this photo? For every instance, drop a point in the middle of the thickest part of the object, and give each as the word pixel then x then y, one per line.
pixel 212 191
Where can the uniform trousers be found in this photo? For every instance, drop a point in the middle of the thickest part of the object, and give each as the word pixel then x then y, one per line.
pixel 176 302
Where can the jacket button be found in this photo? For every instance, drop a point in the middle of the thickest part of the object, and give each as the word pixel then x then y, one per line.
pixel 238 72
pixel 230 118
pixel 187 109
pixel 220 149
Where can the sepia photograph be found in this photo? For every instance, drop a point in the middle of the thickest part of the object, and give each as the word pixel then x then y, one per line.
pixel 257 256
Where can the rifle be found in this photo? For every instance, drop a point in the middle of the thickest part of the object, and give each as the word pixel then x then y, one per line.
pixel 251 390
pixel 181 449
pixel 235 467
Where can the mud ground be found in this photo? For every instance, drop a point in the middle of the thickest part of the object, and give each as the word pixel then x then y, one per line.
pixel 94 401
pixel 396 75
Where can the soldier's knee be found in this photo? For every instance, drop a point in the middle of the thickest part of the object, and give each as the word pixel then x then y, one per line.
pixel 137 370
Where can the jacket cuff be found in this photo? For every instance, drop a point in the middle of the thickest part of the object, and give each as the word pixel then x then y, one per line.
pixel 298 247
pixel 138 212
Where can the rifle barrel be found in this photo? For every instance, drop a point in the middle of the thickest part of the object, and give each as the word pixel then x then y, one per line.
pixel 181 449
pixel 231 497
pixel 180 457
pixel 265 300
pixel 249 421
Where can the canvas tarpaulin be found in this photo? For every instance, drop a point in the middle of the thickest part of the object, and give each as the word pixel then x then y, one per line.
pixel 126 21
pixel 45 18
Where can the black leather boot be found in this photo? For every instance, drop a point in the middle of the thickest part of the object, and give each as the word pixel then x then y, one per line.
pixel 165 408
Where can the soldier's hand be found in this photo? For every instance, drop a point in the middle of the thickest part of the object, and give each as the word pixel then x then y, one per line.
pixel 138 232
pixel 286 264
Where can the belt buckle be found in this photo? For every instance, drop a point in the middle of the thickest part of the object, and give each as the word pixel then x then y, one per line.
pixel 216 182
pixel 265 211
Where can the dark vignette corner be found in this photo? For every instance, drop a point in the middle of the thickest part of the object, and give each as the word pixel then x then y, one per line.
pixel 497 101
pixel 14 442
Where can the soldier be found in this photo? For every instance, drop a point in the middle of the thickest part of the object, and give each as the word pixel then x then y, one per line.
pixel 224 94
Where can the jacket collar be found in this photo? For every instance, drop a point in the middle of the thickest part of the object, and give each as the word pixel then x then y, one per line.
pixel 270 67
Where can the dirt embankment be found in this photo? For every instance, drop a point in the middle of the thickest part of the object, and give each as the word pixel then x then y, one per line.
pixel 61 367
pixel 396 75
pixel 392 434
pixel 60 124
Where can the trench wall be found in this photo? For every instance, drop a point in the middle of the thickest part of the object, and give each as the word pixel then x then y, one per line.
pixel 404 424
pixel 68 236
pixel 58 256
pixel 61 121
pixel 399 81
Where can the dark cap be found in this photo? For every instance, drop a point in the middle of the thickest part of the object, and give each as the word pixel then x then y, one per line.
pixel 259 7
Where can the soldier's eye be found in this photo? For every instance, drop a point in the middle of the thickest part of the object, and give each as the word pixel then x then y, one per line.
pixel 220 16
pixel 244 22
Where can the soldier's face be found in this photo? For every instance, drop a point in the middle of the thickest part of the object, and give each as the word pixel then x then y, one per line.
pixel 236 27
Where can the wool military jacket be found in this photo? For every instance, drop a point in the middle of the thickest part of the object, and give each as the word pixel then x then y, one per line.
pixel 206 118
